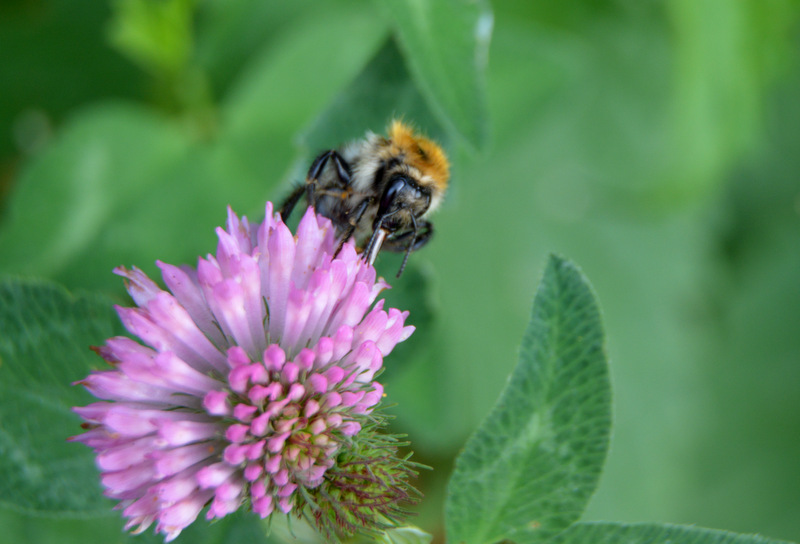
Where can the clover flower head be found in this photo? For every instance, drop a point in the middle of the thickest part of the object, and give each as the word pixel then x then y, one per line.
pixel 254 376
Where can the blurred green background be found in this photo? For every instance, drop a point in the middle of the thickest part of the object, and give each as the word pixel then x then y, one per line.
pixel 655 143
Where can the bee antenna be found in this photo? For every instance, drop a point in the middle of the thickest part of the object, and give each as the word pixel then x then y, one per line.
pixel 410 245
pixel 405 260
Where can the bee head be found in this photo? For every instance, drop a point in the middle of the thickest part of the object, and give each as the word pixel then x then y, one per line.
pixel 424 155
pixel 401 199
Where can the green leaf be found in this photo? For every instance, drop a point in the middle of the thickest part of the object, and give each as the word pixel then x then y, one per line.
pixel 288 79
pixel 720 82
pixel 45 52
pixel 652 533
pixel 122 185
pixel 530 468
pixel 237 528
pixel 155 35
pixel 446 45
pixel 43 349
pixel 412 293
pixel 228 33
pixel 100 164
pixel 413 373
pixel 285 83
pixel 383 90
pixel 405 535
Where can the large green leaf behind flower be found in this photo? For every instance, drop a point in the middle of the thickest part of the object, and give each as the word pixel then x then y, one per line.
pixel 530 468
pixel 44 347
pixel 652 533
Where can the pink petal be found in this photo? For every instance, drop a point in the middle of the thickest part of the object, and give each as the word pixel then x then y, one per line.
pixel 281 259
pixel 183 284
pixel 169 462
pixel 214 475
pixel 141 288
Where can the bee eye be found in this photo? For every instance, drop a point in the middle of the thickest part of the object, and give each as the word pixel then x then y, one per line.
pixel 397 186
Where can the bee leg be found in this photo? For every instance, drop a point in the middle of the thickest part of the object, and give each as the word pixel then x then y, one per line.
pixel 289 204
pixel 318 166
pixel 353 221
pixel 400 242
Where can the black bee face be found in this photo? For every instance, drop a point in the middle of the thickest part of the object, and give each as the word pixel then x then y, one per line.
pixel 402 201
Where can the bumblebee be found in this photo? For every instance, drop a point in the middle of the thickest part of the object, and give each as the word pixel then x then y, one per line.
pixel 379 190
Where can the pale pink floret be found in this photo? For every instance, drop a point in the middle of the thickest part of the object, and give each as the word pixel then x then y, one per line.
pixel 255 368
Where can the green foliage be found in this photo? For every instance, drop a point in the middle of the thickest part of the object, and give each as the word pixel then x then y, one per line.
pixel 654 143
pixel 530 468
pixel 651 533
pixel 384 89
pixel 233 529
pixel 447 49
pixel 46 72
pixel 91 180
pixel 156 35
pixel 527 472
pixel 43 349
pixel 726 54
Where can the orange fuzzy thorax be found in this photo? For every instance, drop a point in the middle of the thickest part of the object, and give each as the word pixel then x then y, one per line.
pixel 421 153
